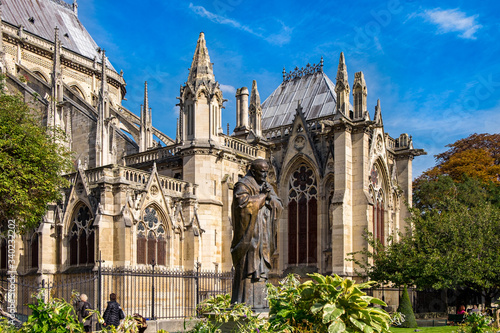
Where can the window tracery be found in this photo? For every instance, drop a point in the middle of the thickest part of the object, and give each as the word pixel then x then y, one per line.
pixel 151 238
pixel 81 238
pixel 302 216
pixel 377 194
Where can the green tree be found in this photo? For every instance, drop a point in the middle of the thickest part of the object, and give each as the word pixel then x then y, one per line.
pixel 31 163
pixel 452 241
pixel 406 309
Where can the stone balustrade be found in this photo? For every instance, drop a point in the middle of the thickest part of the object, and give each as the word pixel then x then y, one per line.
pixel 152 155
pixel 240 146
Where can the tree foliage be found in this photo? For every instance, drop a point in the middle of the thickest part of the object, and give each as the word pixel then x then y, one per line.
pixel 31 162
pixel 406 309
pixel 477 156
pixel 452 241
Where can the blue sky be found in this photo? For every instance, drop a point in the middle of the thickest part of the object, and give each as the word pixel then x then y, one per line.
pixel 434 65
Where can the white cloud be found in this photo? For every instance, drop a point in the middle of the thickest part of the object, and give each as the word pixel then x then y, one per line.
pixel 453 20
pixel 280 38
pixel 201 11
pixel 227 89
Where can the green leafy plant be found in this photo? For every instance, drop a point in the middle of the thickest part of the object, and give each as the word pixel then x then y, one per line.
pixel 325 304
pixel 51 316
pixel 220 311
pixel 406 309
pixel 397 318
pixel 478 323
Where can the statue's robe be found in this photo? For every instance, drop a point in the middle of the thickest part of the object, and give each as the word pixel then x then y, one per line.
pixel 253 217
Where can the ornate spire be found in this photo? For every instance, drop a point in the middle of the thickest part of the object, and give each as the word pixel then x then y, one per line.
pixel 255 97
pixel 342 87
pixel 378 114
pixel 359 93
pixel 201 68
pixel 146 136
pixel 146 99
pixel 255 110
pixel 103 70
pixel 75 7
pixel 342 70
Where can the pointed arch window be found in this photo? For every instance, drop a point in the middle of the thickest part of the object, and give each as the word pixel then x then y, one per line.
pixel 3 253
pixel 81 238
pixel 378 217
pixel 34 246
pixel 302 217
pixel 377 194
pixel 3 245
pixel 151 238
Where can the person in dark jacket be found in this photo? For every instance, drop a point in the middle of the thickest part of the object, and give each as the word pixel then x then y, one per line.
pixel 113 313
pixel 84 316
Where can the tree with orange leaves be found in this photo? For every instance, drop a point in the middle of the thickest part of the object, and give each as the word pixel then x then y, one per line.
pixel 477 156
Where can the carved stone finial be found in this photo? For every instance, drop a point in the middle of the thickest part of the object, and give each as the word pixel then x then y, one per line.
pixel 75 7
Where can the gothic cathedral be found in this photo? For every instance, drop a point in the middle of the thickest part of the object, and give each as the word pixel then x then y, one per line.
pixel 134 200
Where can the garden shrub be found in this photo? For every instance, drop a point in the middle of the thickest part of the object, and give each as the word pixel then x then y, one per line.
pixel 325 304
pixel 406 309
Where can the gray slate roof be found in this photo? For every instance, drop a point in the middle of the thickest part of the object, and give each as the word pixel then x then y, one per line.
pixel 316 93
pixel 48 14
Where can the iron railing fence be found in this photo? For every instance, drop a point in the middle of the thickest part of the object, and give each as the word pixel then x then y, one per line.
pixel 153 293
pixel 163 294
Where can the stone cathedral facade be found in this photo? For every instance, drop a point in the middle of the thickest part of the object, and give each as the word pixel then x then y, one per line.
pixel 133 200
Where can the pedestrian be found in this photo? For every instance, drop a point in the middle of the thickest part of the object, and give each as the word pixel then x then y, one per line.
pixel 84 315
pixel 113 313
pixel 461 310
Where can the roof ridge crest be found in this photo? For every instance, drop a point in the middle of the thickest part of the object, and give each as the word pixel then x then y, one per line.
pixel 63 4
pixel 303 71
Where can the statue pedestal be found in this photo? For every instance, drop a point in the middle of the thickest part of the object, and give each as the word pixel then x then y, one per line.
pixel 256 294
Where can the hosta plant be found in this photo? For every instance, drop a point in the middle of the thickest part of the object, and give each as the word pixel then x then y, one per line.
pixel 325 304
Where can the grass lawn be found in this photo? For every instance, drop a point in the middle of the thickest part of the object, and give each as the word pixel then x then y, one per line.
pixel 438 329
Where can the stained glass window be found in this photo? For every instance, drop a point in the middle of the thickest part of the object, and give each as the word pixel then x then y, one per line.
pixel 302 217
pixel 81 238
pixel 151 239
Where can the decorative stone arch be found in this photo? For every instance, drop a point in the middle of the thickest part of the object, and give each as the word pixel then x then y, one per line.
pixel 300 189
pixel 291 166
pixel 218 97
pixel 153 234
pixel 40 74
pixel 76 88
pixel 33 248
pixel 202 90
pixel 379 190
pixel 80 236
pixel 187 93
